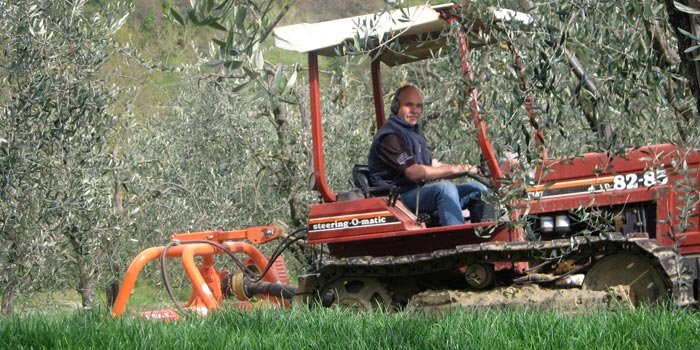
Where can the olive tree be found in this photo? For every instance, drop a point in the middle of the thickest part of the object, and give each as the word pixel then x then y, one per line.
pixel 56 189
pixel 237 53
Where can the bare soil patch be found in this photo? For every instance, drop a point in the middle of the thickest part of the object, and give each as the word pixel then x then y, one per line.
pixel 524 296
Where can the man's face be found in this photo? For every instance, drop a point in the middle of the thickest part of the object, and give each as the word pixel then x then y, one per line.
pixel 410 105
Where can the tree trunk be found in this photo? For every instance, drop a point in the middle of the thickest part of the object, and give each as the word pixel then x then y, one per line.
pixel 689 23
pixel 602 129
pixel 111 292
pixel 87 272
pixel 112 289
pixel 86 285
pixel 8 301
pixel 299 216
pixel 286 174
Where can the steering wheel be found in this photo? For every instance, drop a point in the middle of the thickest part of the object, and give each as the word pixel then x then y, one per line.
pixel 484 170
pixel 482 179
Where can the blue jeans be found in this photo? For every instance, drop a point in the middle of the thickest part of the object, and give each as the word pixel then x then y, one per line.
pixel 449 200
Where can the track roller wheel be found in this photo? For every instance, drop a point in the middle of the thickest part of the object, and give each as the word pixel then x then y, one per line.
pixel 480 276
pixel 646 284
pixel 360 293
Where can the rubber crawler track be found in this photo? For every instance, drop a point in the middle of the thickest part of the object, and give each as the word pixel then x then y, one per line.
pixel 664 258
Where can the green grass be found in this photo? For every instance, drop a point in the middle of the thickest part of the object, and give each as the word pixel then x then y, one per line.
pixel 48 302
pixel 146 295
pixel 342 329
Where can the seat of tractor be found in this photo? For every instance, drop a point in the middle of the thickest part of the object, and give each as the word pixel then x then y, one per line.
pixel 360 177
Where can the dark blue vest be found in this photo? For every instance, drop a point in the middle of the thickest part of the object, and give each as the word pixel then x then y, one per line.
pixel 381 174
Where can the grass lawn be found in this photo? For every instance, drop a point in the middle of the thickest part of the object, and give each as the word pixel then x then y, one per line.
pixel 644 328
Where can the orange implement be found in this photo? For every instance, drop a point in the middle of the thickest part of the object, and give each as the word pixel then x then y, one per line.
pixel 206 280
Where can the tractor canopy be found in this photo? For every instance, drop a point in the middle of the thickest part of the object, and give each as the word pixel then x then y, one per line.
pixel 416 28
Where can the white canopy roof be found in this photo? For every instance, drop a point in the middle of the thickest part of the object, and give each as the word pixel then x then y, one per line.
pixel 329 38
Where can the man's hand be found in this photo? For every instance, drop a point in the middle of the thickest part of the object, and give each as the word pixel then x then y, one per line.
pixel 466 169
pixel 461 170
pixel 438 170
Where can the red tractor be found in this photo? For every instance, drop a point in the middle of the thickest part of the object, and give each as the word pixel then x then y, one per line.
pixel 368 250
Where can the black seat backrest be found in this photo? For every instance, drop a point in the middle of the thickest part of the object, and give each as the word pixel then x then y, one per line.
pixel 360 178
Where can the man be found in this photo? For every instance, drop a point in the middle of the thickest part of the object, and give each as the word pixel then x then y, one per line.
pixel 399 156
